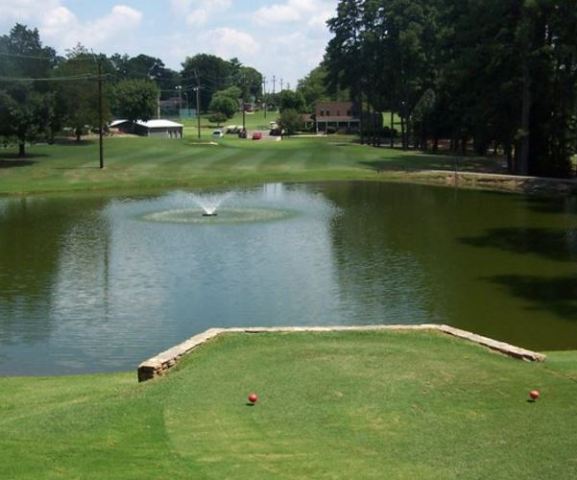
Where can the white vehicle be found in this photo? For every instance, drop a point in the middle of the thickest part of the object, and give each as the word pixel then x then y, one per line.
pixel 217 134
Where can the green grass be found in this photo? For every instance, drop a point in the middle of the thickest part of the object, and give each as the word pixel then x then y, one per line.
pixel 343 405
pixel 149 163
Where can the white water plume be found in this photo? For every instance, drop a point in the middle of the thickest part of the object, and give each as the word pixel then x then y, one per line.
pixel 209 203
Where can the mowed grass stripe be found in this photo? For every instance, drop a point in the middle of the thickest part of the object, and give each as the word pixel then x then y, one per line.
pixel 225 159
pixel 282 160
pixel 136 162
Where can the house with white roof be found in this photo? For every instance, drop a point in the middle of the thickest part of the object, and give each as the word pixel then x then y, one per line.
pixel 151 128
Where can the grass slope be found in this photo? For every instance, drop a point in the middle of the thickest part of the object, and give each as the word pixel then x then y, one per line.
pixel 344 405
pixel 149 163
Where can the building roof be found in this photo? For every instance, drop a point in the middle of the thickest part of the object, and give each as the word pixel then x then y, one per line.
pixel 341 119
pixel 160 123
pixel 115 123
pixel 331 104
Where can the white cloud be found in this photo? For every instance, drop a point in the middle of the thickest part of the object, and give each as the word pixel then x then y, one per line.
pixel 228 42
pixel 25 9
pixel 178 7
pixel 61 27
pixel 276 14
pixel 291 11
pixel 320 19
pixel 198 12
pixel 197 17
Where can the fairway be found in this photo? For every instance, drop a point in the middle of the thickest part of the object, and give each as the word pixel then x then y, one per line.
pixel 137 163
pixel 378 405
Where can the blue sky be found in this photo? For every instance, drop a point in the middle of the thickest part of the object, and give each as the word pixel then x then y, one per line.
pixel 284 38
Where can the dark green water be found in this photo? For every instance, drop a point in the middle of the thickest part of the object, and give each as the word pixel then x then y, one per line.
pixel 101 283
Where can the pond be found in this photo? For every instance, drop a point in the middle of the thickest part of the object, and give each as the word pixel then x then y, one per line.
pixel 100 283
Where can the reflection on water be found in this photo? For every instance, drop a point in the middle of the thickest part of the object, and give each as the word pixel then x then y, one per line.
pixel 91 284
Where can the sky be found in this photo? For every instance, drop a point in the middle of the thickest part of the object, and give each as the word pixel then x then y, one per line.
pixel 281 38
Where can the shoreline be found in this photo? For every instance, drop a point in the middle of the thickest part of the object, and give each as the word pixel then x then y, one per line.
pixel 494 182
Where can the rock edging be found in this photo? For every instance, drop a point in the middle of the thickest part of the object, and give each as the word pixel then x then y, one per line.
pixel 496 182
pixel 161 363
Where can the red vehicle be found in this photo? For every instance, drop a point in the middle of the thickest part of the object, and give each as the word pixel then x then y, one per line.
pixel 257 136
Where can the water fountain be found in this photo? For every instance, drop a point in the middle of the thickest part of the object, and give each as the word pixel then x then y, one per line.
pixel 209 203
pixel 210 209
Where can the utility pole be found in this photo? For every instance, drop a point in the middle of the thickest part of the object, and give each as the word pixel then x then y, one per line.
pixel 179 88
pixel 197 102
pixel 100 115
pixel 243 105
pixel 273 84
pixel 281 84
pixel 264 94
pixel 288 86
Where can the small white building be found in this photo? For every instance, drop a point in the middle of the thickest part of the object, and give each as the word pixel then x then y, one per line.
pixel 151 128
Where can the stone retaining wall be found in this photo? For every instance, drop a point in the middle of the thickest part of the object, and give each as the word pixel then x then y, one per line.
pixel 487 181
pixel 160 364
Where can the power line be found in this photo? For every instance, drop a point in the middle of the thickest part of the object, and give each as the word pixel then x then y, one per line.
pixel 87 76
pixel 16 55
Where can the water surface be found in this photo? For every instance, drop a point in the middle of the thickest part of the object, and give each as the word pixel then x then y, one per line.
pixel 99 283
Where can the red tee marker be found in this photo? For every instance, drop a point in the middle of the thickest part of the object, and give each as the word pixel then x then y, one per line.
pixel 253 398
pixel 534 394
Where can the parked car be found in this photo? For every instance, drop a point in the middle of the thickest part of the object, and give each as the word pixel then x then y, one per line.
pixel 217 134
pixel 233 129
pixel 257 136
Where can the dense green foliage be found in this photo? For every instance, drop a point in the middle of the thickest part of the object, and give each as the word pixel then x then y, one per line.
pixel 144 67
pixel 314 89
pixel 494 73
pixel 135 99
pixel 215 74
pixel 289 100
pixel 290 121
pixel 224 105
pixel 26 107
pixel 354 405
pixel 77 101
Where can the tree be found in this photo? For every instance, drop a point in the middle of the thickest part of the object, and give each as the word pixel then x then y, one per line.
pixel 223 105
pixel 250 83
pixel 231 92
pixel 78 101
pixel 26 106
pixel 314 89
pixel 217 118
pixel 23 114
pixel 290 121
pixel 248 79
pixel 496 72
pixel 215 74
pixel 289 100
pixel 135 99
pixel 210 72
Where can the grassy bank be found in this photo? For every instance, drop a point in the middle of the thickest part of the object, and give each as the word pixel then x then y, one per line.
pixel 343 405
pixel 148 163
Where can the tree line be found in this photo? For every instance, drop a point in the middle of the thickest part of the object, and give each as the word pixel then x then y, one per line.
pixel 41 92
pixel 496 75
